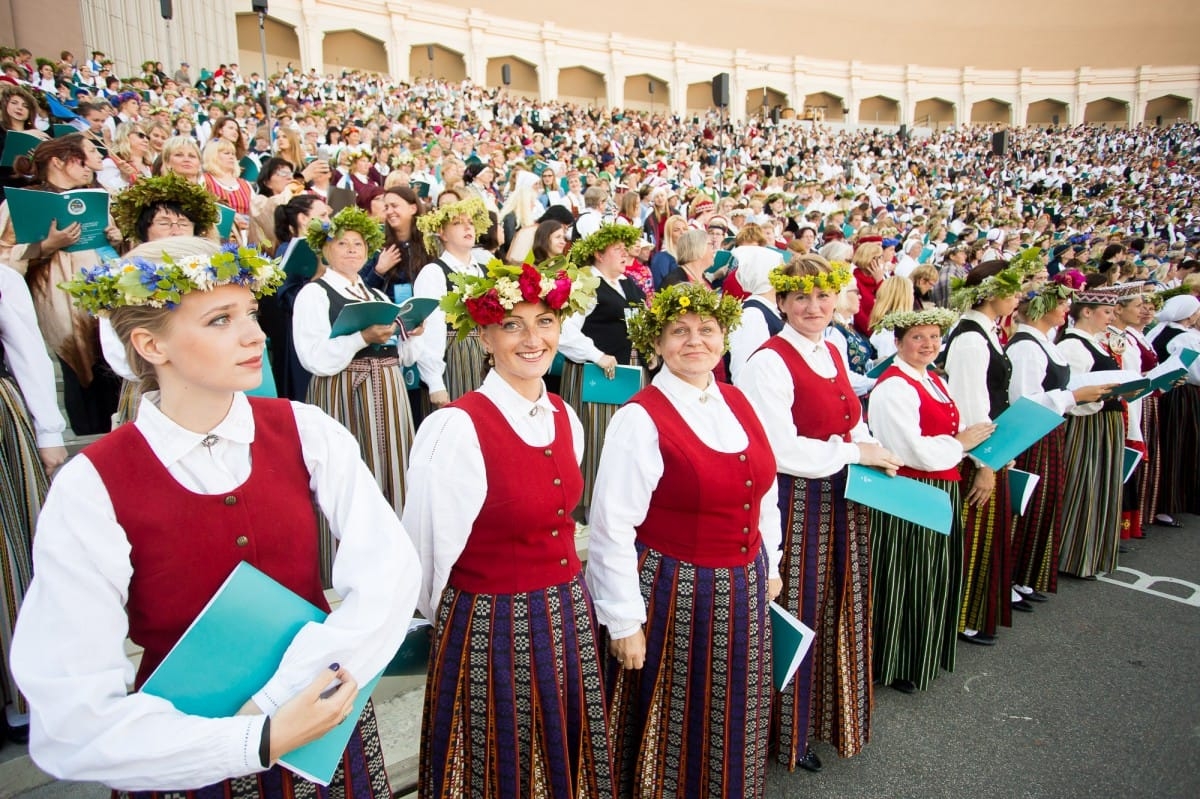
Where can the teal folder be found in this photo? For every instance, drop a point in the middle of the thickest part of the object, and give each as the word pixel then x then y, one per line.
pixel 556 366
pixel 267 387
pixel 1129 463
pixel 1161 380
pixel 234 647
pixel 790 641
pixel 414 311
pixel 16 144
pixel 902 497
pixel 58 130
pixel 358 316
pixel 720 258
pixel 225 219
pixel 412 658
pixel 32 211
pixel 1021 485
pixel 299 261
pixel 1128 391
pixel 249 168
pixel 1020 427
pixel 598 388
pixel 878 369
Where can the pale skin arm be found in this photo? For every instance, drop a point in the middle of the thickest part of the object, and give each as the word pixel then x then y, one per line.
pixel 311 713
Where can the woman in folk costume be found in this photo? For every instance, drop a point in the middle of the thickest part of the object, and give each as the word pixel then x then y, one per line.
pixel 1041 373
pixel 514 703
pixel 979 375
pixel 798 383
pixel 140 530
pixel 1127 312
pixel 1094 445
pixel 916 578
pixel 1151 472
pixel 1179 491
pixel 450 366
pixel 683 559
pixel 357 376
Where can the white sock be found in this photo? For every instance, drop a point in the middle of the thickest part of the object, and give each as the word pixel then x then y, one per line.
pixel 970 633
pixel 1023 589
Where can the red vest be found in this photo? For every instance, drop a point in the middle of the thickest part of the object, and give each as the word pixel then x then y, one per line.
pixel 183 545
pixel 821 406
pixel 524 537
pixel 937 419
pixel 705 508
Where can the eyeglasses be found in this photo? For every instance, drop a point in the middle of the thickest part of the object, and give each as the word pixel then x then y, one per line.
pixel 179 225
pixel 139 134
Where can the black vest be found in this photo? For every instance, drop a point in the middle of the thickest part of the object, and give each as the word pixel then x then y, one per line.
pixel 1057 374
pixel 1162 340
pixel 4 373
pixel 605 325
pixel 999 370
pixel 774 323
pixel 1101 362
pixel 338 301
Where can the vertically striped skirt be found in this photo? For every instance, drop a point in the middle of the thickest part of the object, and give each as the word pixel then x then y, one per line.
pixel 987 547
pixel 826 571
pixel 514 700
pixel 362 774
pixel 128 401
pixel 1037 533
pixel 695 720
pixel 22 491
pixel 1152 468
pixel 1179 417
pixel 916 591
pixel 570 385
pixel 370 399
pixel 1094 450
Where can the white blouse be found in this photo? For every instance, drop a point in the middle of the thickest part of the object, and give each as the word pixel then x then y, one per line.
pixel 447 478
pixel 68 652
pixel 752 333
pixel 1030 360
pixel 631 465
pixel 431 355
pixel 967 361
pixel 768 384
pixel 25 352
pixel 573 343
pixel 1080 359
pixel 895 417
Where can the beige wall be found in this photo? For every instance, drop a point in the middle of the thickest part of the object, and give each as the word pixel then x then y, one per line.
pixel 352 50
pixel 987 34
pixel 579 85
pixel 46 27
pixel 283 46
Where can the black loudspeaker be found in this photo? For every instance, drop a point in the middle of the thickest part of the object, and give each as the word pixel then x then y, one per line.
pixel 506 74
pixel 1000 142
pixel 1054 119
pixel 1158 121
pixel 721 90
pixel 650 87
pixel 429 51
pixel 259 6
pixel 903 133
pixel 164 7
pixel 775 114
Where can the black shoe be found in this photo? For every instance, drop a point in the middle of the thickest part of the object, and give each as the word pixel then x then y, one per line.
pixel 979 639
pixel 19 734
pixel 1165 523
pixel 904 686
pixel 1022 606
pixel 1035 597
pixel 1123 550
pixel 810 762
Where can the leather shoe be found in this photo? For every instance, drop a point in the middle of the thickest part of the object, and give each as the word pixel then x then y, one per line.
pixel 904 686
pixel 979 639
pixel 18 734
pixel 1123 549
pixel 1023 606
pixel 1036 597
pixel 1165 523
pixel 810 762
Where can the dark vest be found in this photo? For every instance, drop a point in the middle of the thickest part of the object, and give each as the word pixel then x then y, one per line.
pixel 4 373
pixel 774 323
pixel 1101 362
pixel 999 370
pixel 605 325
pixel 1057 374
pixel 338 301
pixel 1162 340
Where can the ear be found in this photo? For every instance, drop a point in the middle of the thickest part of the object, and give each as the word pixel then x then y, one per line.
pixel 148 345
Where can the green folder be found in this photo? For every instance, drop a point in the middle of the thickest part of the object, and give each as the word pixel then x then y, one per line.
pixel 299 260
pixel 790 641
pixel 412 658
pixel 1129 463
pixel 249 168
pixel 32 211
pixel 358 316
pixel 421 188
pixel 556 366
pixel 267 387
pixel 1021 485
pixel 878 369
pixel 1128 391
pixel 414 311
pixel 1161 380
pixel 225 219
pixel 1017 429
pixel 627 381
pixel 59 129
pixel 720 259
pixel 16 144
pixel 920 503
pixel 234 647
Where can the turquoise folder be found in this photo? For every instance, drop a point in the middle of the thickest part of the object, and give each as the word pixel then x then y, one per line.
pixel 1020 427
pixel 249 168
pixel 299 261
pixel 412 658
pixel 878 369
pixel 790 641
pixel 1129 463
pixel 1128 391
pixel 225 219
pixel 267 387
pixel 414 311
pixel 234 647
pixel 358 316
pixel 598 388
pixel 903 497
pixel 32 211
pixel 720 258
pixel 1021 485
pixel 16 144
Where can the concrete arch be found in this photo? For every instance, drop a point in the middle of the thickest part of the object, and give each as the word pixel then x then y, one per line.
pixel 699 97
pixel 759 96
pixel 353 50
pixel 991 112
pixel 582 85
pixel 283 45
pixel 1107 110
pixel 523 74
pixel 883 110
pixel 445 63
pixel 1171 107
pixel 823 106
pixel 1048 112
pixel 644 92
pixel 933 112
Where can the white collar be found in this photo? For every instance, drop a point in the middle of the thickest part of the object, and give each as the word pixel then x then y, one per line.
pixel 683 392
pixel 171 443
pixel 509 401
pixel 802 344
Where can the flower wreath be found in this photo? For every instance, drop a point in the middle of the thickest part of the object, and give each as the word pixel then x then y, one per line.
pixel 672 302
pixel 1028 262
pixel 1045 298
pixel 351 217
pixel 195 203
pixel 833 280
pixel 1005 283
pixel 584 251
pixel 160 284
pixel 944 318
pixel 430 224
pixel 481 301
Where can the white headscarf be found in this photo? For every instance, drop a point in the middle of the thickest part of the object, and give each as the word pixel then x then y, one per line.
pixel 1176 309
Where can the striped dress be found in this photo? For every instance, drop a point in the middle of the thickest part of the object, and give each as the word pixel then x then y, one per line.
pixel 1179 419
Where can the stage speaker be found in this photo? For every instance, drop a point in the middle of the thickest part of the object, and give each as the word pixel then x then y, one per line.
pixel 429 51
pixel 1158 121
pixel 259 6
pixel 1000 142
pixel 775 115
pixel 164 7
pixel 720 89
pixel 904 133
pixel 506 74
pixel 1054 119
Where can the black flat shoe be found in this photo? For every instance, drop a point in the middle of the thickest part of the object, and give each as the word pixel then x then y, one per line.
pixel 979 639
pixel 1022 606
pixel 810 762
pixel 905 686
pixel 1123 550
pixel 1164 523
pixel 1035 597
pixel 19 734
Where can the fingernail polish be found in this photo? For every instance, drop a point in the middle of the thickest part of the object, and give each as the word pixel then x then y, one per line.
pixel 334 666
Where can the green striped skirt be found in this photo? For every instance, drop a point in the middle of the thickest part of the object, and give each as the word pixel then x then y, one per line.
pixel 1095 450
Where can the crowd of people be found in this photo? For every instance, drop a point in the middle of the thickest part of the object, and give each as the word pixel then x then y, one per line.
pixel 793 299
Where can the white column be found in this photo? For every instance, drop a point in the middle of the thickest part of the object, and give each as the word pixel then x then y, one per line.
pixel 398 46
pixel 548 68
pixel 477 56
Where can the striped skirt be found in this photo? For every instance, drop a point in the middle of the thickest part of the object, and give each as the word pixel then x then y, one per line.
pixel 570 386
pixel 1152 467
pixel 1179 419
pixel 128 401
pixel 1037 533
pixel 987 548
pixel 916 592
pixel 514 700
pixel 22 491
pixel 695 720
pixel 1092 494
pixel 370 399
pixel 826 571
pixel 361 775
pixel 466 365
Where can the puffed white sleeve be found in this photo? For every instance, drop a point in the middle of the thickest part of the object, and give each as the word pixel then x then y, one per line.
pixel 1190 340
pixel 1080 360
pixel 1029 363
pixel 68 657
pixel 317 352
pixel 25 351
pixel 573 343
pixel 966 363
pixel 431 345
pixel 630 468
pixel 744 341
pixel 375 570
pixel 895 417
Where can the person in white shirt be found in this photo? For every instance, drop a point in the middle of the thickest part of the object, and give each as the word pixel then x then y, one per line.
pixel 141 529
pixel 1180 408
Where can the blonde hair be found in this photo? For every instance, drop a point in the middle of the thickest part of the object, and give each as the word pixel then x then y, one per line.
pixel 208 159
pixel 865 253
pixel 172 146
pixel 668 246
pixel 894 294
